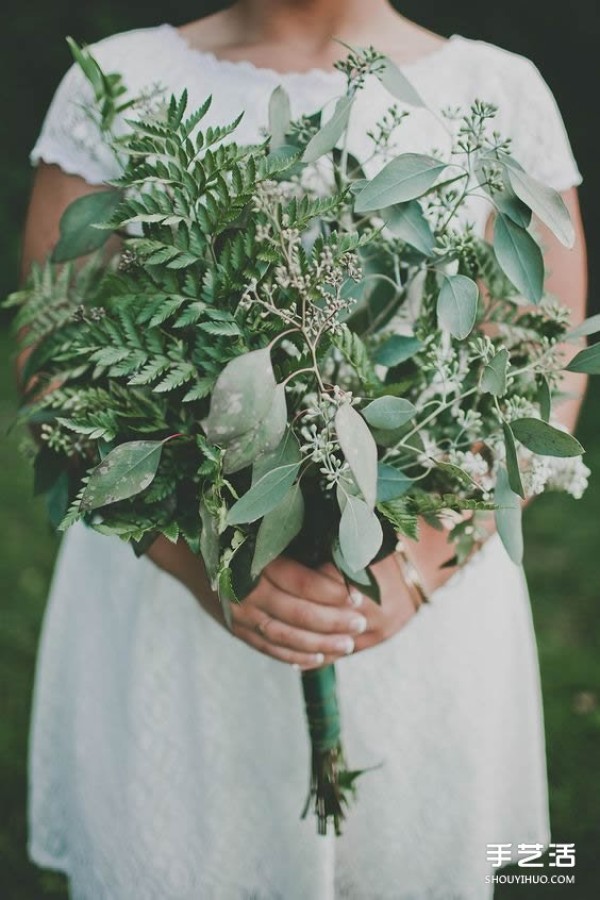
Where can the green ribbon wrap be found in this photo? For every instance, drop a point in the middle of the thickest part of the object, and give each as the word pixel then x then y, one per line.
pixel 322 710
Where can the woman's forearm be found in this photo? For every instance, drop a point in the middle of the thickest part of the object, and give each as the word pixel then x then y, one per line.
pixel 179 562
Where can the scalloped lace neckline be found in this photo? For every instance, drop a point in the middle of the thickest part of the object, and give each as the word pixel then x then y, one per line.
pixel 326 75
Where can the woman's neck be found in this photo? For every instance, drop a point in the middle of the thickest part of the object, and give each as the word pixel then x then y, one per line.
pixel 310 24
pixel 301 34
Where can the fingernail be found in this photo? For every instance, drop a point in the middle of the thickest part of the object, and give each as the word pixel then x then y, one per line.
pixel 358 624
pixel 346 645
pixel 296 667
pixel 356 598
pixel 319 658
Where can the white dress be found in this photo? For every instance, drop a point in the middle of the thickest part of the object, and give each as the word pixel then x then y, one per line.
pixel 169 760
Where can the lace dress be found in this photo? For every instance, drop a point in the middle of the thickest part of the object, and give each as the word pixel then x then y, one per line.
pixel 169 760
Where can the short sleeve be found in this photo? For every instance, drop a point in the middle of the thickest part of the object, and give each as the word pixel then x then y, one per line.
pixel 70 137
pixel 540 140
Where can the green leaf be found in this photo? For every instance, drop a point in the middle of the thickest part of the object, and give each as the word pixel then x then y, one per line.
pixel 329 134
pixel 263 496
pixel 457 305
pixel 493 378
pixel 209 544
pixel 512 462
pixel 519 257
pixel 277 529
pixel 396 82
pixel 360 534
pixel 587 361
pixel 507 202
pixel 544 201
pixel 404 178
pixel 360 450
pixel 508 517
pixel 279 117
pixel 544 398
pixel 286 453
pixel 389 412
pixel 127 470
pixel 227 594
pixel 263 438
pixel 397 349
pixel 78 236
pixel 407 221
pixel 400 518
pixel 544 439
pixel 391 483
pixel 587 327
pixel 364 579
pixel 241 397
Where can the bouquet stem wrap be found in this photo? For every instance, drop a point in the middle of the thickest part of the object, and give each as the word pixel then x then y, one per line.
pixel 330 781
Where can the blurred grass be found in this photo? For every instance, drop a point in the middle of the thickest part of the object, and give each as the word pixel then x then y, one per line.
pixel 562 562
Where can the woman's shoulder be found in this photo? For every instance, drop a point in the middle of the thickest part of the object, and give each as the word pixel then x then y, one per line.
pixel 136 53
pixel 528 111
pixel 487 62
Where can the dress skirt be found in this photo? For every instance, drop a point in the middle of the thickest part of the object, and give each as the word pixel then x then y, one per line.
pixel 170 761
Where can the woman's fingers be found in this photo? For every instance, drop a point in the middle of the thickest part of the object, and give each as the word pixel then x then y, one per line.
pixel 293 578
pixel 283 654
pixel 300 624
pixel 309 616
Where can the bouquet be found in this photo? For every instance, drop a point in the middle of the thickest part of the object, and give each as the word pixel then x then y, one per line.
pixel 288 357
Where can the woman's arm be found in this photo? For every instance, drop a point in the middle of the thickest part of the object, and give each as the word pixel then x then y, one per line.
pixel 567 280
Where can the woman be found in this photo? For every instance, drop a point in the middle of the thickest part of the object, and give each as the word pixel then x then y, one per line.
pixel 169 756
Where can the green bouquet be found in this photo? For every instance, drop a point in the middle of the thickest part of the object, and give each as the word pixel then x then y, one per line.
pixel 250 373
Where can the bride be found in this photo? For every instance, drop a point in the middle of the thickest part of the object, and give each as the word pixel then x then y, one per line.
pixel 169 755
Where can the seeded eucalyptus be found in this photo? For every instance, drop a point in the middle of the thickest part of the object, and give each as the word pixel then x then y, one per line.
pixel 275 363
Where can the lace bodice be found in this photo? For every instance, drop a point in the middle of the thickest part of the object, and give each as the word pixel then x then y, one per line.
pixel 460 71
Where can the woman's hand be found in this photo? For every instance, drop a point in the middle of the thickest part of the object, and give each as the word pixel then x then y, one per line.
pixel 300 616
pixel 397 603
pixel 310 618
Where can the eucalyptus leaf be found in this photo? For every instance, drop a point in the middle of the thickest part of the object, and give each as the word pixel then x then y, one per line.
pixel 363 580
pixel 241 397
pixel 78 234
pixel 519 257
pixel 397 349
pixel 126 471
pixel 360 450
pixel 457 305
pixel 396 82
pixel 263 496
pixel 389 412
pixel 391 483
pixel 587 361
pixel 407 221
pixel 279 117
pixel 508 517
pixel 262 439
pixel 544 439
pixel 286 453
pixel 493 378
pixel 404 178
pixel 544 201
pixel 544 398
pixel 360 533
pixel 512 461
pixel 587 327
pixel 329 134
pixel 278 529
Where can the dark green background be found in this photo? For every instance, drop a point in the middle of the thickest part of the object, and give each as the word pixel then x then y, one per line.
pixel 563 549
